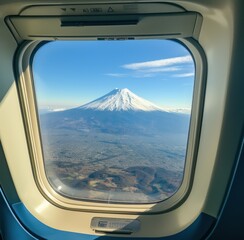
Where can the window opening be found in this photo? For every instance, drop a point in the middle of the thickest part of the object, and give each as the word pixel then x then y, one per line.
pixel 114 117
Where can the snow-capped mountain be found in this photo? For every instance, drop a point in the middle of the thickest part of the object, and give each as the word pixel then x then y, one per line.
pixel 121 100
pixel 118 112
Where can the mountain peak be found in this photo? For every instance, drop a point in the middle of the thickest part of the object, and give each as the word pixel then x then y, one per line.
pixel 121 91
pixel 121 100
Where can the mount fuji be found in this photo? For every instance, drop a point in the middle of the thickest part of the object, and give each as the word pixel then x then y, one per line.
pixel 118 112
pixel 121 100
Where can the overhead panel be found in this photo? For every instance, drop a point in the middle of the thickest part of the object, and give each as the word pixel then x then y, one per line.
pixel 100 9
pixel 114 21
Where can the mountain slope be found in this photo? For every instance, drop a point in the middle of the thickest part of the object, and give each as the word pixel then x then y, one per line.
pixel 121 100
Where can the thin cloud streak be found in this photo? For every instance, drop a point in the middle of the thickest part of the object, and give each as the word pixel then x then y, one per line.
pixel 184 75
pixel 143 75
pixel 158 63
pixel 159 70
pixel 116 74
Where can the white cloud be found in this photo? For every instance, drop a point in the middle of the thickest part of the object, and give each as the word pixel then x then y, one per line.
pixel 116 74
pixel 58 109
pixel 158 63
pixel 184 75
pixel 154 68
pixel 143 75
pixel 180 110
pixel 158 70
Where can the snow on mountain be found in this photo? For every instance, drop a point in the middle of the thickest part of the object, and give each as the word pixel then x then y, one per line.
pixel 121 100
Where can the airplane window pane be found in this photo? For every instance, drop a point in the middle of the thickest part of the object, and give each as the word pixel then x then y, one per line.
pixel 114 117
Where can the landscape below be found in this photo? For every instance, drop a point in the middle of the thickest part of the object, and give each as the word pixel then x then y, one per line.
pixel 117 148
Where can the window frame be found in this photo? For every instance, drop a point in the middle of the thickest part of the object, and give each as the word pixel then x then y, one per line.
pixel 216 151
pixel 32 127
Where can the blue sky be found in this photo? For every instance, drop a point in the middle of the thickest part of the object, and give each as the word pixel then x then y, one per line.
pixel 72 73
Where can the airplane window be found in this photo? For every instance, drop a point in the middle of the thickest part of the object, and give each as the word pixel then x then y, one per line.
pixel 114 117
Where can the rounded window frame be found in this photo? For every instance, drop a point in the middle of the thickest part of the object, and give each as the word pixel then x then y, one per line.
pixel 31 121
